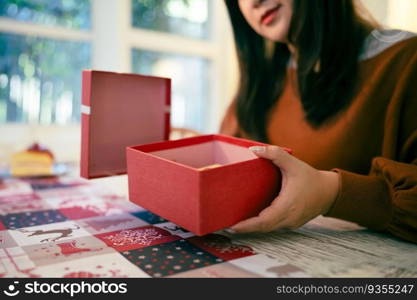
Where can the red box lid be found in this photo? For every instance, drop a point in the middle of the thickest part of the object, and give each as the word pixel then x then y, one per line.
pixel 120 110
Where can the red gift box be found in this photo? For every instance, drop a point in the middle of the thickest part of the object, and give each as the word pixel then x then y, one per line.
pixel 202 183
pixel 169 179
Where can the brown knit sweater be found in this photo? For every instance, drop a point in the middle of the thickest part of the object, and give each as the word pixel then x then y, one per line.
pixel 372 144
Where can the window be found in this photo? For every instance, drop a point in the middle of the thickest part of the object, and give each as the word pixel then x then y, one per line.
pixel 73 14
pixel 184 17
pixel 190 91
pixel 45 44
pixel 40 76
pixel 183 42
pixel 40 79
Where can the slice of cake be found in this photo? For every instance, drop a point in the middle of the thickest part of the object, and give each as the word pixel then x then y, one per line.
pixel 35 161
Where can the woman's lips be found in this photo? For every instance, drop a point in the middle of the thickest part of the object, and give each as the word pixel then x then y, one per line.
pixel 270 15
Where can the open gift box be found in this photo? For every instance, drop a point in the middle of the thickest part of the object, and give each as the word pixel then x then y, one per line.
pixel 202 184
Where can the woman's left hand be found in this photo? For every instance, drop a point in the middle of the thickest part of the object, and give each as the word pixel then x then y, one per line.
pixel 305 194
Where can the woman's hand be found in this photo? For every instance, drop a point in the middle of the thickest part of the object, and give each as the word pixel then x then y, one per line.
pixel 305 194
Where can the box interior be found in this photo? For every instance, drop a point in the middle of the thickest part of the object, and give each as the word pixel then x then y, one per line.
pixel 207 154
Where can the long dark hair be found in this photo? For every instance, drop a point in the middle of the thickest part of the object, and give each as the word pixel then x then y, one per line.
pixel 328 36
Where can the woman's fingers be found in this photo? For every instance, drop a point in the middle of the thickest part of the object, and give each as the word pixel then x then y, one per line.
pixel 279 157
pixel 271 216
pixel 267 220
pixel 248 225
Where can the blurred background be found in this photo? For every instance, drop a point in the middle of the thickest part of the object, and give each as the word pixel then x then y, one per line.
pixel 44 45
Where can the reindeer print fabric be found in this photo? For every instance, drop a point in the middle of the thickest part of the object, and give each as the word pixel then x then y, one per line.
pixel 42 234
pixel 64 227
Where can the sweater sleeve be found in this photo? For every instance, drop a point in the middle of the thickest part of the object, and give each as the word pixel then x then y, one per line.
pixel 386 198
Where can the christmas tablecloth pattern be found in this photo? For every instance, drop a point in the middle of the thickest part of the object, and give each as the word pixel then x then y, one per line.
pixel 65 227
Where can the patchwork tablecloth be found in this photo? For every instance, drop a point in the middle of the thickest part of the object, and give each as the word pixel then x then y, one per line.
pixel 65 227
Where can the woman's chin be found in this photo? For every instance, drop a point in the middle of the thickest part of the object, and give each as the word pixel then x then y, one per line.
pixel 277 33
pixel 277 38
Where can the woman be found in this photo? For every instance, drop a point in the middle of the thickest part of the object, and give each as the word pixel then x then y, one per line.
pixel 319 78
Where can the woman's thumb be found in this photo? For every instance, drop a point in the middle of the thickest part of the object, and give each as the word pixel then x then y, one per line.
pixel 279 157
